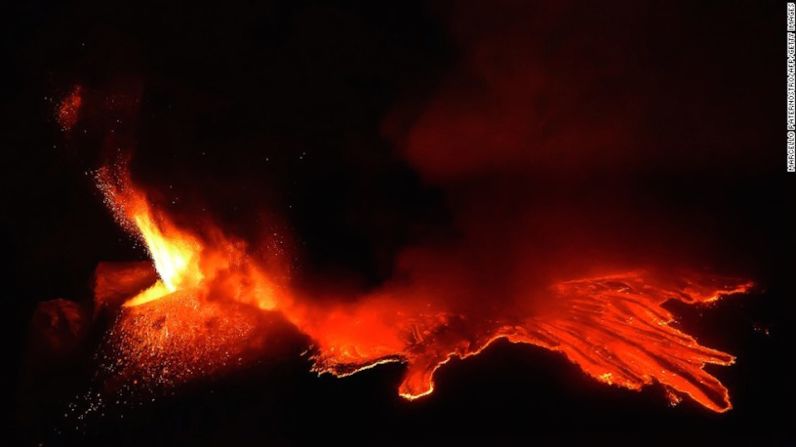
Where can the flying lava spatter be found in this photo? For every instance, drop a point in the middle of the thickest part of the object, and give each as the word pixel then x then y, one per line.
pixel 69 108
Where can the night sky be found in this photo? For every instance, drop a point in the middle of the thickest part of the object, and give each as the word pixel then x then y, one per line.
pixel 630 133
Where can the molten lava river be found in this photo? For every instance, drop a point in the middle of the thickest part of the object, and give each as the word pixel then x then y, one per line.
pixel 210 304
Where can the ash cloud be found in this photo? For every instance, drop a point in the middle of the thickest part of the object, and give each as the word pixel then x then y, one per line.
pixel 515 144
pixel 570 139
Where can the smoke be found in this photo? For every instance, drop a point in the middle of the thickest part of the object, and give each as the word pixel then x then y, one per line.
pixel 514 141
pixel 534 154
pixel 528 95
pixel 544 139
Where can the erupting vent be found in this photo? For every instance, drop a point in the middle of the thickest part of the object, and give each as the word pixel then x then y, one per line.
pixel 214 302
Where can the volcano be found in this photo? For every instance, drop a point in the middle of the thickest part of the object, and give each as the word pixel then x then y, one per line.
pixel 252 224
pixel 613 326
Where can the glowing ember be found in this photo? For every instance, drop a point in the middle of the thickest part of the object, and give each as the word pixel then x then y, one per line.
pixel 69 108
pixel 181 337
pixel 205 311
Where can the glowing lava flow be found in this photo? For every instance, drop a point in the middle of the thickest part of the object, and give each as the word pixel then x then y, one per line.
pixel 213 299
pixel 613 327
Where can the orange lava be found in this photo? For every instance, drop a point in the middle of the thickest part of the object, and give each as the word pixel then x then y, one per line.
pixel 614 327
pixel 206 313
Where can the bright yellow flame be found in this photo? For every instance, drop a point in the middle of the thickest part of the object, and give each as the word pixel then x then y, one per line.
pixel 174 256
pixel 174 253
pixel 152 293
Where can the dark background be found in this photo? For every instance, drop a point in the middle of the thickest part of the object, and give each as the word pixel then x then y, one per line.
pixel 282 106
